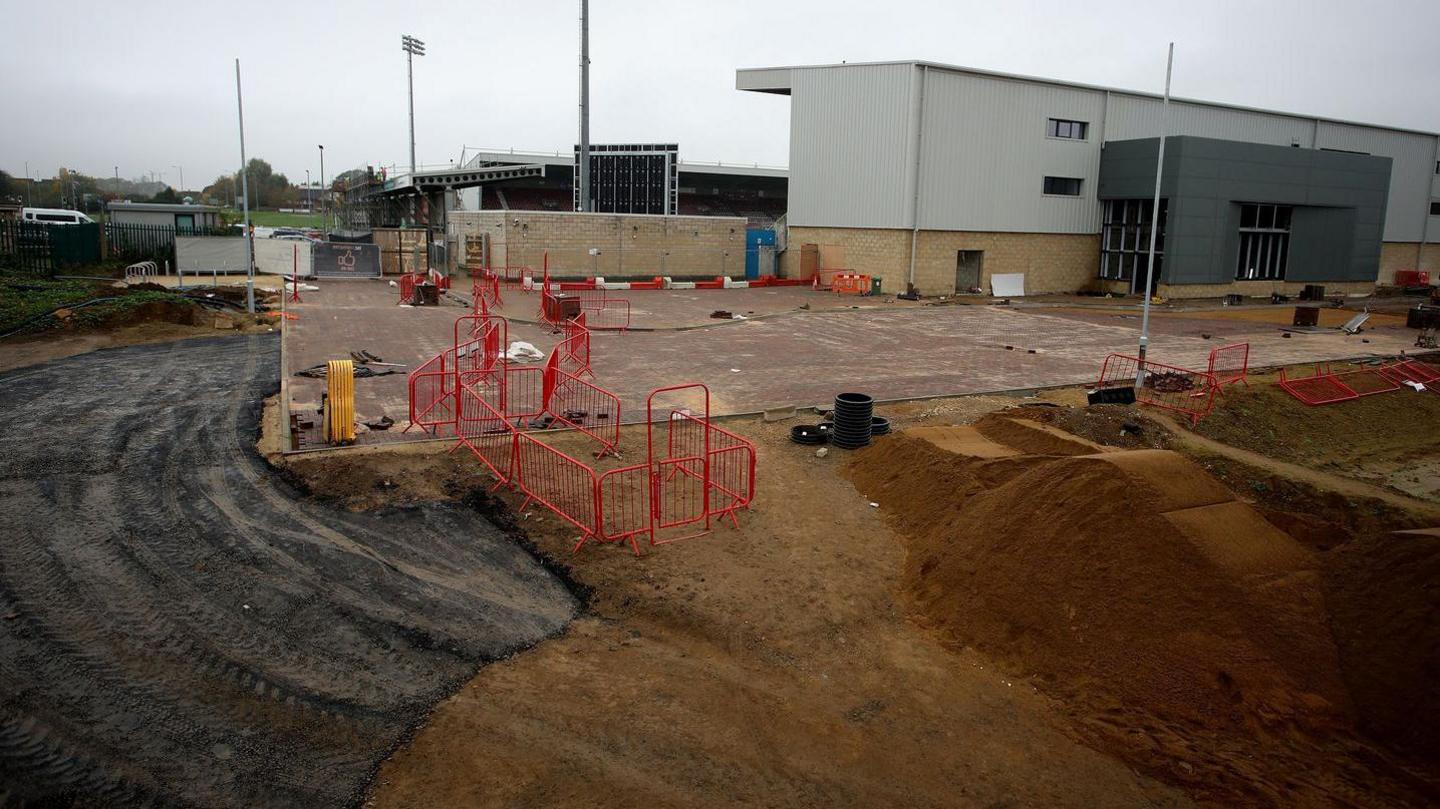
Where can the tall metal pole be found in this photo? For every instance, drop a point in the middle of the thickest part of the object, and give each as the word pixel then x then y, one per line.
pixel 410 75
pixel 584 178
pixel 245 201
pixel 1154 222
pixel 323 201
pixel 309 194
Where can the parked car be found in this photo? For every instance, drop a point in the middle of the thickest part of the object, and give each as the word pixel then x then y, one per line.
pixel 53 216
pixel 280 233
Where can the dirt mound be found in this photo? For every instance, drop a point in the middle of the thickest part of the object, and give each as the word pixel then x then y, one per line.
pixel 1032 437
pixel 1185 633
pixel 1384 603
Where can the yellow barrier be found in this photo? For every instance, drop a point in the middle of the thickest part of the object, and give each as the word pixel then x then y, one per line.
pixel 340 402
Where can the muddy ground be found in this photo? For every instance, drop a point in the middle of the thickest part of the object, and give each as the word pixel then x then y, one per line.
pixel 1387 439
pixel 181 626
pixel 780 664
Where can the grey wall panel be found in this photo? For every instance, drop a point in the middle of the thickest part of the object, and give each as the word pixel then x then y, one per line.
pixel 1136 117
pixel 1324 243
pixel 985 155
pixel 851 146
pixel 1410 178
pixel 1339 204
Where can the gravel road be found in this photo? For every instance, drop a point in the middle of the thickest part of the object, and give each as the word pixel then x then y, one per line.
pixel 178 627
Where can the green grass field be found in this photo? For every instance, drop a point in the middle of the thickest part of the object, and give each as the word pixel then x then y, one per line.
pixel 275 219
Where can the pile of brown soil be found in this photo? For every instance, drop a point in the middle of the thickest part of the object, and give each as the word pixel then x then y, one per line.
pixel 1184 632
pixel 1384 598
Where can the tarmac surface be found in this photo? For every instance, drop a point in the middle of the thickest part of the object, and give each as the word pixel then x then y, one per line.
pixel 179 627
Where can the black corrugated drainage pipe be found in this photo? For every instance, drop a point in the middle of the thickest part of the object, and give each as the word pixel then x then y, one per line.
pixel 853 414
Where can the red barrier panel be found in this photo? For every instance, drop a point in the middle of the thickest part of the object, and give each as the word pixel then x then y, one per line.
pixel 1327 386
pixel 1412 371
pixel 732 473
pixel 487 434
pixel 524 392
pixel 574 350
pixel 408 282
pixel 511 273
pixel 432 393
pixel 591 409
pixel 625 507
pixel 569 488
pixel 1169 387
pixel 680 491
pixel 1230 364
pixel 485 293
pixel 848 283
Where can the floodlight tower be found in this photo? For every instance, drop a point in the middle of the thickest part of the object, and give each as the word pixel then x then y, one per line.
pixel 413 48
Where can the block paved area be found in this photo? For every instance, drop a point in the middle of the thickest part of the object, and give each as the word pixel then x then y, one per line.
pixel 791 356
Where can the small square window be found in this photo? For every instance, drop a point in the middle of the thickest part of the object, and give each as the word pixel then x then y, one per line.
pixel 1066 129
pixel 1062 186
pixel 1435 209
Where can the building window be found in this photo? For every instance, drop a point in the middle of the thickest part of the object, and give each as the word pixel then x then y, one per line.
pixel 1063 186
pixel 1125 238
pixel 1069 130
pixel 1435 209
pixel 1264 242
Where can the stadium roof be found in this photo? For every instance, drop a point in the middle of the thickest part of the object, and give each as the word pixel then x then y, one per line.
pixel 777 80
pixel 510 156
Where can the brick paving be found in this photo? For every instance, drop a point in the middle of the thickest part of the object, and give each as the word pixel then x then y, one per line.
pixel 793 357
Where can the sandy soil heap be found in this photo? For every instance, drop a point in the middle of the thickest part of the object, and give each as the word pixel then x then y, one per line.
pixel 1185 632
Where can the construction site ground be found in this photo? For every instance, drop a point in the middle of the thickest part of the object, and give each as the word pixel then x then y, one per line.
pixel 785 663
pixel 783 354
pixel 189 616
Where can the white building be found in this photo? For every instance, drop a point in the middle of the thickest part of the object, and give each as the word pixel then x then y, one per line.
pixel 934 175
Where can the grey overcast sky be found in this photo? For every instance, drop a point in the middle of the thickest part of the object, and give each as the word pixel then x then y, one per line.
pixel 147 86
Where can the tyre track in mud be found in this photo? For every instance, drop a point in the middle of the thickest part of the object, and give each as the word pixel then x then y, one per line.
pixel 177 627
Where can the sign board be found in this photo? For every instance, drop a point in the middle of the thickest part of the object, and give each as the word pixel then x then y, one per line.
pixel 345 260
pixel 632 178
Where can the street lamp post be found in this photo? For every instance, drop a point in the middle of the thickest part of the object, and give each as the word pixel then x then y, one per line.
pixel 323 200
pixel 180 169
pixel 309 194
pixel 413 48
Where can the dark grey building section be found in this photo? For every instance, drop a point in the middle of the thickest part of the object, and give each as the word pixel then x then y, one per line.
pixel 1337 204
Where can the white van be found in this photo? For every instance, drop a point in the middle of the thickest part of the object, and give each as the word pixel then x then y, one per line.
pixel 53 216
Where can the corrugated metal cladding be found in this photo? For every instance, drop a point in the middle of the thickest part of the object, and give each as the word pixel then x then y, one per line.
pixel 985 155
pixel 985 149
pixel 851 147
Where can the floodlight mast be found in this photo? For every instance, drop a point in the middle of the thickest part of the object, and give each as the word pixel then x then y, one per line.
pixel 413 48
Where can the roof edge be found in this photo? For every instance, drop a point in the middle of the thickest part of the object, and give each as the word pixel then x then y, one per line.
pixel 996 74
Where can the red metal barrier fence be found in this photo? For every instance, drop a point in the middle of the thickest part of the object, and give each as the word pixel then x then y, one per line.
pixel 1327 386
pixel 1230 364
pixel 1170 387
pixel 698 473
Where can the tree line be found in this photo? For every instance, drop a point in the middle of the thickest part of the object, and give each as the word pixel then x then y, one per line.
pixel 77 191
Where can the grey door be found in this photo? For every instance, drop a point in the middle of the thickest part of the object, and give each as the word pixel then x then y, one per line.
pixel 967 270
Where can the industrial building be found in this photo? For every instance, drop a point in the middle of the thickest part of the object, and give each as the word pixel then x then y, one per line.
pixel 938 177
pixel 180 217
pixel 704 189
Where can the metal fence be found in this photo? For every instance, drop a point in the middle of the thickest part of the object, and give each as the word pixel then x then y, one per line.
pixel 42 249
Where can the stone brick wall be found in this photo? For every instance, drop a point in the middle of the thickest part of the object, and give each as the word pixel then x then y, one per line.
pixel 1407 256
pixel 1052 262
pixel 1261 289
pixel 629 245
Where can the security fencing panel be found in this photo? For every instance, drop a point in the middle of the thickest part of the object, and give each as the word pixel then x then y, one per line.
pixel 345 260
